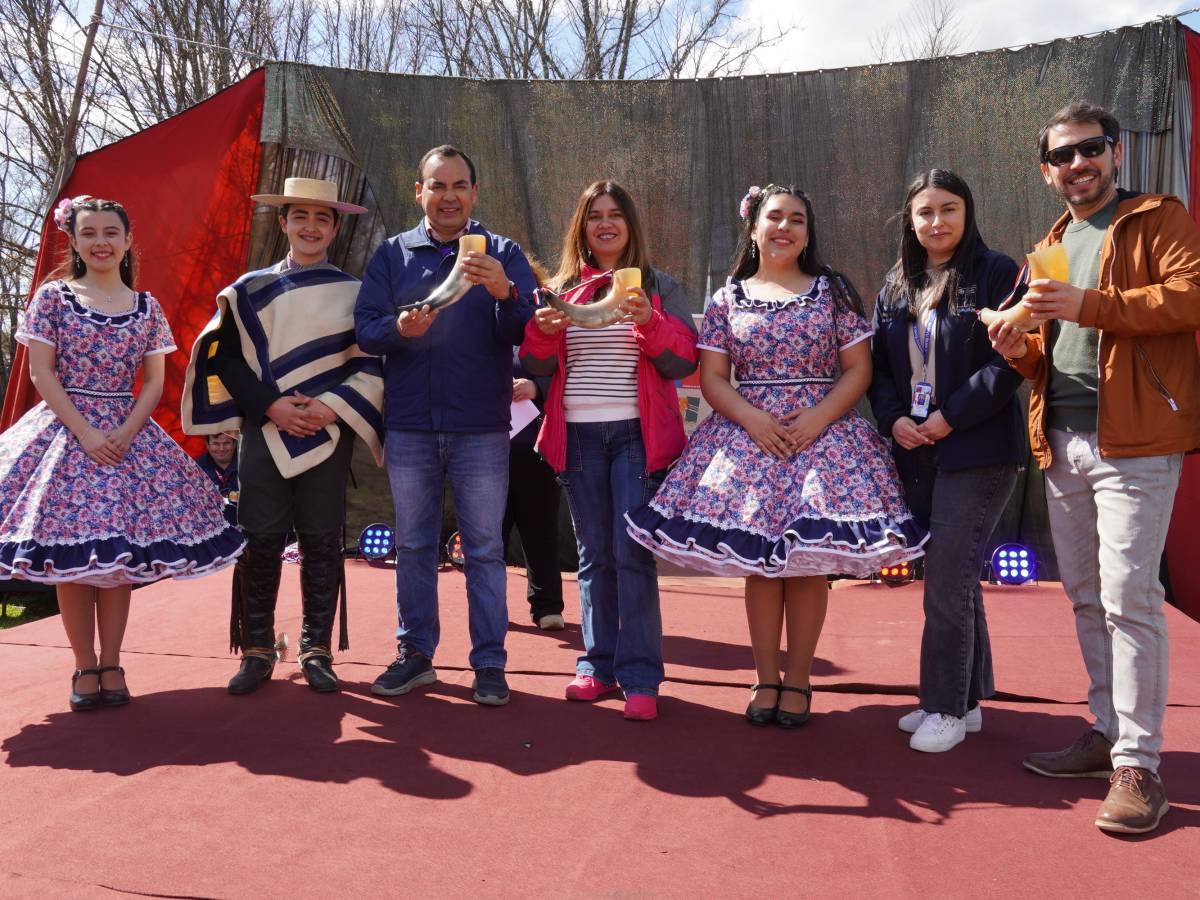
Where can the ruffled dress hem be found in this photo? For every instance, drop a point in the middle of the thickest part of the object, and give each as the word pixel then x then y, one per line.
pixel 116 561
pixel 806 547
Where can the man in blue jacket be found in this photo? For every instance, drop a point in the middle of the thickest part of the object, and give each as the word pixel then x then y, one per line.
pixel 448 391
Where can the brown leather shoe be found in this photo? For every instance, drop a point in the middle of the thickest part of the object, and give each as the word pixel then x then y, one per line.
pixel 1135 804
pixel 1088 757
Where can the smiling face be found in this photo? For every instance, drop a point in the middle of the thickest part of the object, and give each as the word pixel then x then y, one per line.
pixel 310 230
pixel 221 448
pixel 781 229
pixel 100 239
pixel 1086 185
pixel 606 231
pixel 446 194
pixel 939 218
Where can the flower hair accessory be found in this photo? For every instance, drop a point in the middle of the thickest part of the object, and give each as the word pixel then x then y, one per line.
pixel 744 207
pixel 753 194
pixel 64 208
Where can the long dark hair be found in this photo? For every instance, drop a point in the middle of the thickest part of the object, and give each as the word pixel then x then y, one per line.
pixel 72 264
pixel 746 259
pixel 907 279
pixel 575 252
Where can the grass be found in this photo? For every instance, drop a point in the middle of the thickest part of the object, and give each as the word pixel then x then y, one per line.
pixel 19 607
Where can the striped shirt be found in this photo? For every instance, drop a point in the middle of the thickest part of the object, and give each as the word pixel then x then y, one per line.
pixel 601 374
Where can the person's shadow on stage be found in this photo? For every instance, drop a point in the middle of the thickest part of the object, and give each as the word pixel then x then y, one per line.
pixel 694 750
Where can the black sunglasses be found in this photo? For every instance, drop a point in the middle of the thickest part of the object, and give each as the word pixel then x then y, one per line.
pixel 1065 155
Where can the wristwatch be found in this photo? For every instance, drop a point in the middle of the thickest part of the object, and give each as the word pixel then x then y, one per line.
pixel 512 292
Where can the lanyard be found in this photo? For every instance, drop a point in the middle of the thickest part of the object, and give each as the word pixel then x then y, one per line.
pixel 924 348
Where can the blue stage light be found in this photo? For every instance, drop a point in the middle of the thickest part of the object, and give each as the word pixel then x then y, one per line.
pixel 1013 564
pixel 376 542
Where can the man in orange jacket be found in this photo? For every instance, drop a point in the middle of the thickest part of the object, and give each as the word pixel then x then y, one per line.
pixel 1115 405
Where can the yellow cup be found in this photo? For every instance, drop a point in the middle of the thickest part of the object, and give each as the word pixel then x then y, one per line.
pixel 472 243
pixel 624 279
pixel 1049 262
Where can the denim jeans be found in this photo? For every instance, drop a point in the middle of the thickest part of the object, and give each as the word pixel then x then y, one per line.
pixel 605 477
pixel 961 510
pixel 418 462
pixel 1108 519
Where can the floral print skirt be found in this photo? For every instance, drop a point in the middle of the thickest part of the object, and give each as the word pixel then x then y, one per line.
pixel 67 518
pixel 728 508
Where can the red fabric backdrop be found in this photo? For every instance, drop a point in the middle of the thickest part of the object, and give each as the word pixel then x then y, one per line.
pixel 1184 536
pixel 186 184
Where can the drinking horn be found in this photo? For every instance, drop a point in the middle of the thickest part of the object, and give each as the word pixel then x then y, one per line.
pixel 1049 262
pixel 456 284
pixel 601 313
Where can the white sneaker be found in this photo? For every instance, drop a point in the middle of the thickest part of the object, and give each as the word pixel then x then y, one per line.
pixel 910 722
pixel 552 622
pixel 939 733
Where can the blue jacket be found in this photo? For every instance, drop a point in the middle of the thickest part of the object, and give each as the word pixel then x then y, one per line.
pixel 457 376
pixel 976 389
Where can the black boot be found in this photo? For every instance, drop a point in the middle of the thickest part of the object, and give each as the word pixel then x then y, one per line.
pixel 252 629
pixel 321 574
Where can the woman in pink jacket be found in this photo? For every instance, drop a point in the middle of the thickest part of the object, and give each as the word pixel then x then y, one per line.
pixel 612 427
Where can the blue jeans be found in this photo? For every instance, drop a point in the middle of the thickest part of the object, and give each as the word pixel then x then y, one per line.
pixel 961 510
pixel 605 477
pixel 418 462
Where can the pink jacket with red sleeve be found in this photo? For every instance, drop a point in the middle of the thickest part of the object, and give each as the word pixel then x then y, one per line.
pixel 668 345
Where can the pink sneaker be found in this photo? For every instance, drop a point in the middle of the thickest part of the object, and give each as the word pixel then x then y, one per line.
pixel 587 689
pixel 641 707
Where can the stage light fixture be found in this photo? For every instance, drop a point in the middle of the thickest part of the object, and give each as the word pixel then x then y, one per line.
pixel 376 543
pixel 1013 564
pixel 898 574
pixel 454 551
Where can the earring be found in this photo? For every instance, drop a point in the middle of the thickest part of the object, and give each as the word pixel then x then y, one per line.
pixel 753 250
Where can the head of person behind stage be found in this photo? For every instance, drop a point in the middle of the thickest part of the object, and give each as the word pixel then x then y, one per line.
pixel 98 231
pixel 222 448
pixel 778 223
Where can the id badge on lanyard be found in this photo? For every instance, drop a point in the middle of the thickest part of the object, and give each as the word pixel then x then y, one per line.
pixel 922 395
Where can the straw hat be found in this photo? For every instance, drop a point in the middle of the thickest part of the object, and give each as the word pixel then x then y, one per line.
pixel 310 191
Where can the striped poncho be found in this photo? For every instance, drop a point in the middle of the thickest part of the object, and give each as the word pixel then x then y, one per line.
pixel 297 334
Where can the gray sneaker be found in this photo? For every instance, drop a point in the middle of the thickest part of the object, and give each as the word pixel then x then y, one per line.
pixel 1088 757
pixel 490 687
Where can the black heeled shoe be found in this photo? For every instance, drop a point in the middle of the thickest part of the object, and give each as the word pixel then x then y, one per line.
pixel 118 697
pixel 763 715
pixel 84 702
pixel 789 720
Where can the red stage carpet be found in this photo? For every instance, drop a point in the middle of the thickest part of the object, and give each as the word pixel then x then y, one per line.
pixel 191 793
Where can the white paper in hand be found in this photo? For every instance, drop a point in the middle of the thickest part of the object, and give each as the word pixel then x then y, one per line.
pixel 523 412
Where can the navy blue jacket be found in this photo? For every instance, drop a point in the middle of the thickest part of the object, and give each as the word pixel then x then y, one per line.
pixel 976 389
pixel 457 376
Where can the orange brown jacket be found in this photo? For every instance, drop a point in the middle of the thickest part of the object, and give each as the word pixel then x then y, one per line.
pixel 1146 308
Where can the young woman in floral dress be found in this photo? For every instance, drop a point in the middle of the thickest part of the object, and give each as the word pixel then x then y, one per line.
pixel 95 496
pixel 785 483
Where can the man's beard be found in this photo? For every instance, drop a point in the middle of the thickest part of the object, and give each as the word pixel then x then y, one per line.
pixel 1101 186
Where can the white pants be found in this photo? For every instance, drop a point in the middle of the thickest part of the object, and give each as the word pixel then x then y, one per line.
pixel 1109 519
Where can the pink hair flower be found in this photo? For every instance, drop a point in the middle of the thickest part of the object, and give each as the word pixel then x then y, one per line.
pixel 62 213
pixel 744 207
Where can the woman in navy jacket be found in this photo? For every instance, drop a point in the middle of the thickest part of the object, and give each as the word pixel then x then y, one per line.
pixel 948 402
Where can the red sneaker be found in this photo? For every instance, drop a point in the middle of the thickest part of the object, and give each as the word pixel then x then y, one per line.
pixel 587 689
pixel 641 707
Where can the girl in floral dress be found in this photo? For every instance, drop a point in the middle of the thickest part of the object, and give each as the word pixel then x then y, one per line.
pixel 95 495
pixel 785 483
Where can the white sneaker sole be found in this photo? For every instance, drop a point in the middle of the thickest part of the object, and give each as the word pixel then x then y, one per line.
pixel 424 678
pixel 974 721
